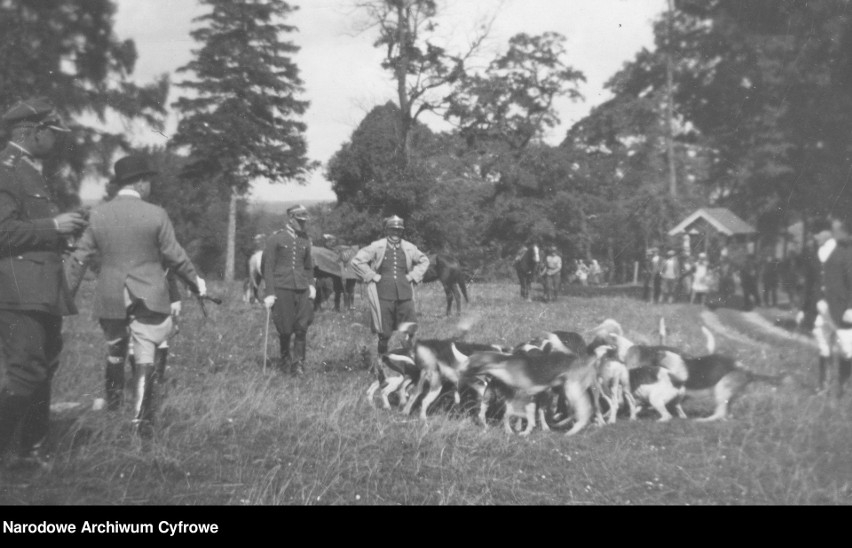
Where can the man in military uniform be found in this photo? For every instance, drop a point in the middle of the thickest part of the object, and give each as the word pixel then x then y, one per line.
pixel 137 242
pixel 390 267
pixel 288 270
pixel 33 291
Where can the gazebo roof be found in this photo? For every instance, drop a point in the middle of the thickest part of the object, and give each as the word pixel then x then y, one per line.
pixel 722 219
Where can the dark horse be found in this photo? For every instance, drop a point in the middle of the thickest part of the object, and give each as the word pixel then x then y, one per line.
pixel 526 263
pixel 334 274
pixel 448 270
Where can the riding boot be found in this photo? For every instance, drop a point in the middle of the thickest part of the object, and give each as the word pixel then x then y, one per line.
pixel 12 410
pixel 161 358
pixel 284 342
pixel 845 370
pixel 114 385
pixel 35 424
pixel 382 347
pixel 299 355
pixel 145 398
pixel 823 368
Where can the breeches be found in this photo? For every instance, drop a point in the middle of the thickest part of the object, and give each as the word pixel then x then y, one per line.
pixel 292 311
pixel 395 313
pixel 826 333
pixel 145 334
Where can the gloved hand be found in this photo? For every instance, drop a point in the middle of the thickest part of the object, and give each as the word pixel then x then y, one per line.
pixel 822 307
pixel 176 307
pixel 847 316
pixel 202 287
pixel 269 301
pixel 69 223
pixel 377 278
pixel 312 292
pixel 800 317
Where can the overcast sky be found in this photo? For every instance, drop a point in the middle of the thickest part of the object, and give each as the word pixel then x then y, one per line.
pixel 341 69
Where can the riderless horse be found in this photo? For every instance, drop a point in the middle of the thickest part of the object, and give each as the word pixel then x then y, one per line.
pixel 448 270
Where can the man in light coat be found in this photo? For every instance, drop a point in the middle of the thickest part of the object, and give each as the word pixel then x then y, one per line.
pixel 390 267
pixel 136 241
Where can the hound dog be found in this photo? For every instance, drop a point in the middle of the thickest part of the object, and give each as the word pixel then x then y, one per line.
pixel 400 361
pixel 721 376
pixel 439 362
pixel 526 375
pixel 612 381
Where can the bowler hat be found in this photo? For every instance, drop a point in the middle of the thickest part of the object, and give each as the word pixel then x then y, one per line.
pixel 36 112
pixel 131 168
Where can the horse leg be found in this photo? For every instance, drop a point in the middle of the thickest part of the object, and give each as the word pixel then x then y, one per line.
pixel 455 289
pixel 449 293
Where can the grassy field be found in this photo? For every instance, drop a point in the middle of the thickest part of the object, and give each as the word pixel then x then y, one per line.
pixel 231 433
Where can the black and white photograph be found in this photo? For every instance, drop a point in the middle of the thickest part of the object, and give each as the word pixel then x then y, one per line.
pixel 260 253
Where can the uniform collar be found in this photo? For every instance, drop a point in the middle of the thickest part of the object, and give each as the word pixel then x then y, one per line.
pixel 825 250
pixel 392 245
pixel 129 192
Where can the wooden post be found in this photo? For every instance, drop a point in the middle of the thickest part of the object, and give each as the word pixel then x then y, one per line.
pixel 635 272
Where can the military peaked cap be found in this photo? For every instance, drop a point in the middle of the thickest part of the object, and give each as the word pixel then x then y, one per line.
pixel 394 222
pixel 34 113
pixel 298 211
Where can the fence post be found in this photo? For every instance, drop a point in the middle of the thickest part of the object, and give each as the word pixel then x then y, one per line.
pixel 635 272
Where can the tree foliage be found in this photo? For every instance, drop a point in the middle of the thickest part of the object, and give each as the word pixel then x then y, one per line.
pixel 66 50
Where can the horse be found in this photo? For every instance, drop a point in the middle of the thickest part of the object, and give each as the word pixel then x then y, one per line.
pixel 526 264
pixel 333 272
pixel 448 270
pixel 251 286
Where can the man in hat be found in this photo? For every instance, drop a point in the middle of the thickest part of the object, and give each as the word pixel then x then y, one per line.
pixel 390 267
pixel 133 303
pixel 289 273
pixel 552 274
pixel 33 292
pixel 670 274
pixel 828 298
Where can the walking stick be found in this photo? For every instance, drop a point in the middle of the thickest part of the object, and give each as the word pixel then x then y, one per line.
pixel 266 338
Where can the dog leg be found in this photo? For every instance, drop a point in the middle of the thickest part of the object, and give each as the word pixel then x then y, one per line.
pixel 722 393
pixel 659 403
pixel 421 385
pixel 393 384
pixel 631 404
pixel 543 419
pixel 579 399
pixel 530 416
pixel 507 421
pixel 371 391
pixel 434 392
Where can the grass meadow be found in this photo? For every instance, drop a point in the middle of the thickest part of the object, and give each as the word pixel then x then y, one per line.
pixel 231 433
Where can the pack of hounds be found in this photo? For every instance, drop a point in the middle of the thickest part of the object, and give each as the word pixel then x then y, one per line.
pixel 560 379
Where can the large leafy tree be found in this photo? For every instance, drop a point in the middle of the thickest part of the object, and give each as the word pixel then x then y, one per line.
pixel 67 51
pixel 241 110
pixel 422 68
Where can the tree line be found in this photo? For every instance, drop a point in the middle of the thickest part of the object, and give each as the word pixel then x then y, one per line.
pixel 740 103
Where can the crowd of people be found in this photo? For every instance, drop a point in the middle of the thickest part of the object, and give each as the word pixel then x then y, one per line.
pixel 684 278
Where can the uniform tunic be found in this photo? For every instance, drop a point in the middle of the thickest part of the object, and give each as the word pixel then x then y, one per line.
pixel 289 271
pixel 33 291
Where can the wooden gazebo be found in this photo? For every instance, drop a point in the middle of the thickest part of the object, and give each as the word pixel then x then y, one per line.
pixel 717 231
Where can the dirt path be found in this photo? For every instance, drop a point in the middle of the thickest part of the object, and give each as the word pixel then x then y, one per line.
pixel 758 322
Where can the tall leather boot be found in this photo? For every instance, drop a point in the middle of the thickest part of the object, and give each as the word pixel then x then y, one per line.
pixel 161 358
pixel 845 370
pixel 144 389
pixel 34 426
pixel 114 385
pixel 284 344
pixel 299 355
pixel 823 368
pixel 13 407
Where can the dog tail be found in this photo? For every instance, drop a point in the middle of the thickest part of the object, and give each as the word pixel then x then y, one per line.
pixel 606 327
pixel 465 325
pixel 711 340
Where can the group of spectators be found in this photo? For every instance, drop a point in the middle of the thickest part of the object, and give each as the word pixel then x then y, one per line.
pixel 681 277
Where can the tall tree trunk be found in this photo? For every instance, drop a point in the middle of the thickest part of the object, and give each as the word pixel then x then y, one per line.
pixel 670 104
pixel 403 13
pixel 232 237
